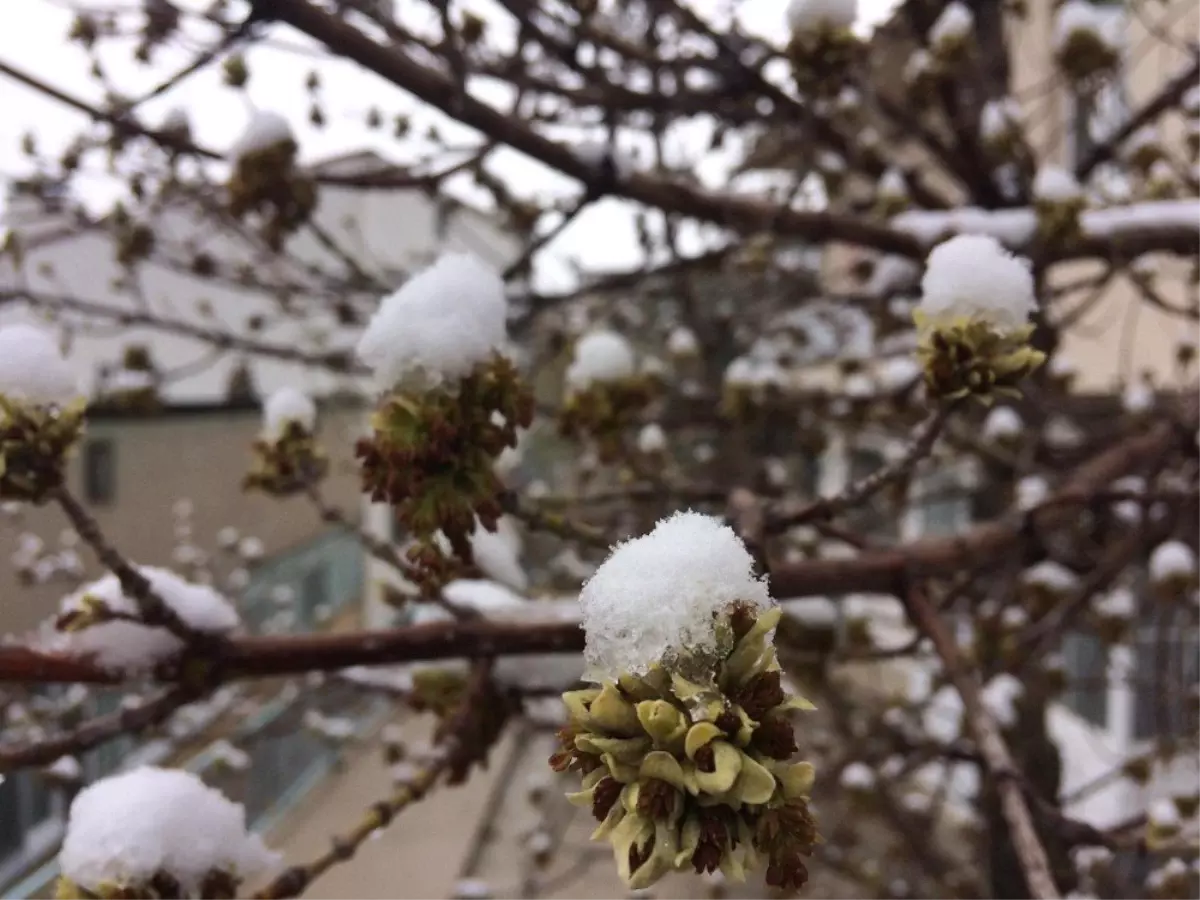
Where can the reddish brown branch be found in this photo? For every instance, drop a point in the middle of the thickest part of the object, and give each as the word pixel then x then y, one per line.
pixel 886 571
pixel 393 64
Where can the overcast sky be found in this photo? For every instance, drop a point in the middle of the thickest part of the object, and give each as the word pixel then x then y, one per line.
pixel 277 82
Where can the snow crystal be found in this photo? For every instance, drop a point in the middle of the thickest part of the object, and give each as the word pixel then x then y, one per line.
pixel 1012 227
pixel 1014 617
pixel 127 827
pixel 955 22
pixel 657 594
pixel 1138 397
pixel 250 548
pixel 1054 184
pixel 811 15
pixel 32 369
pixel 973 276
pixel 1163 814
pixel 287 405
pixel 1190 103
pixel 600 356
pixel 498 554
pixel 682 342
pixel 652 439
pixel 1002 422
pixel 472 889
pixel 132 648
pixel 920 62
pixel 999 697
pixel 898 372
pixel 264 130
pixel 65 768
pixel 999 118
pixel 1080 16
pixel 1062 434
pixel 892 184
pixel 1118 603
pixel 438 326
pixel 1052 576
pixel 1032 490
pixel 1172 560
pixel 857 775
pixel 125 380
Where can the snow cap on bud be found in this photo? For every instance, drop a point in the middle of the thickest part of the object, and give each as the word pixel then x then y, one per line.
pixel 812 15
pixel 441 324
pixel 127 830
pixel 600 356
pixel 263 130
pixel 658 595
pixel 288 406
pixel 973 276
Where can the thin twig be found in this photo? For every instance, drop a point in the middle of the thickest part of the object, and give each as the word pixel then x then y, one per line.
pixel 999 762
pixel 154 610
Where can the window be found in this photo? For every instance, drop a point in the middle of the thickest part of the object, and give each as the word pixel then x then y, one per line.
pixel 1166 672
pixel 873 518
pixel 30 821
pixel 943 503
pixel 314 594
pixel 99 470
pixel 107 757
pixel 1085 659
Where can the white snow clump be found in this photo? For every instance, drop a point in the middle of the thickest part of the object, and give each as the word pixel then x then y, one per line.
pixel 1002 423
pixel 973 276
pixel 287 405
pixel 857 776
pixel 658 594
pixel 805 16
pixel 262 131
pixel 132 648
pixel 32 369
pixel 1054 184
pixel 1173 560
pixel 126 828
pixel 651 439
pixel 999 697
pixel 600 356
pixel 1052 576
pixel 682 342
pixel 955 23
pixel 438 326
pixel 999 119
pixel 1076 16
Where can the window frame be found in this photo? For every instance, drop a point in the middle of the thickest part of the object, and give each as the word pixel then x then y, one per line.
pixel 92 491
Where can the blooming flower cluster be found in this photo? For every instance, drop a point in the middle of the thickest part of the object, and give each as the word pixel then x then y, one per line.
pixel 287 457
pixel 973 319
pixel 453 403
pixel 41 414
pixel 685 746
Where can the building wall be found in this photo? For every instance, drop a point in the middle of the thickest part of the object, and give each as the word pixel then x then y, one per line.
pixel 160 460
pixel 389 233
pixel 1121 336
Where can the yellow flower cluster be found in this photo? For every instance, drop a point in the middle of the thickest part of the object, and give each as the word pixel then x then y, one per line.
pixel 288 464
pixel 696 772
pixel 34 443
pixel 969 357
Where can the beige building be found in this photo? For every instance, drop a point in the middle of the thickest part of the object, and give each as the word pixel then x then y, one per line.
pixel 166 491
